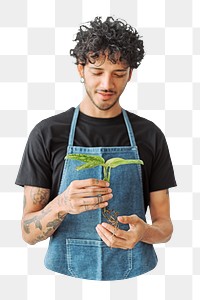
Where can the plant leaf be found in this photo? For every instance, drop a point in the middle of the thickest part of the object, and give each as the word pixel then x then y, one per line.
pixel 117 161
pixel 88 166
pixel 86 158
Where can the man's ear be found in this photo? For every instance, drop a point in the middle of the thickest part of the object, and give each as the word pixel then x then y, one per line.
pixel 80 69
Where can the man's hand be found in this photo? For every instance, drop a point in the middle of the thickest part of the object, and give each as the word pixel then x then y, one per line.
pixel 84 195
pixel 159 232
pixel 42 217
pixel 117 238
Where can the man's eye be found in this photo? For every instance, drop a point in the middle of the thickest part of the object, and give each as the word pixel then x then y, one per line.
pixel 119 75
pixel 97 74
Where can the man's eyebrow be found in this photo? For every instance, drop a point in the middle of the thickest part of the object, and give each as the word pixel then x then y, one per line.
pixel 117 70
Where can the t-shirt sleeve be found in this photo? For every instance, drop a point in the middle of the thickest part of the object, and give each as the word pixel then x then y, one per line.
pixel 162 172
pixel 35 168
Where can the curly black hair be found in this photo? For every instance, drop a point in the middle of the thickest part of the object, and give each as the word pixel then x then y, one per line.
pixel 110 38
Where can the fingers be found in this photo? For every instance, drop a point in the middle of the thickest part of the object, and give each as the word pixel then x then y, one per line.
pixel 133 219
pixel 115 231
pixel 90 197
pixel 117 238
pixel 113 237
pixel 76 203
pixel 95 200
pixel 87 194
pixel 93 207
pixel 89 182
pixel 90 192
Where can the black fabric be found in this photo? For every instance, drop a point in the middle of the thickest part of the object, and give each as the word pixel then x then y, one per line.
pixel 43 158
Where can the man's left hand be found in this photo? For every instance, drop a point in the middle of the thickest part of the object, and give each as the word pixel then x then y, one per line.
pixel 117 238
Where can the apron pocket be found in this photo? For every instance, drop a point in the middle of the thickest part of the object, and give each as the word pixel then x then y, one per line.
pixel 92 259
pixel 117 263
pixel 84 258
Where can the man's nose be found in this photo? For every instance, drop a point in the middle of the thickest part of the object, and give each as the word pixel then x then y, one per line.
pixel 107 82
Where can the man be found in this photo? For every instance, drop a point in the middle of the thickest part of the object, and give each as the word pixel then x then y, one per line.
pixel 67 205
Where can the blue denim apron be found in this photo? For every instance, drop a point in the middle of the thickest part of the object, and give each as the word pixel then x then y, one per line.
pixel 75 249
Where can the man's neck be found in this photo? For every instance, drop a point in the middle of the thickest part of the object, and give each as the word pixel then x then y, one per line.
pixel 91 110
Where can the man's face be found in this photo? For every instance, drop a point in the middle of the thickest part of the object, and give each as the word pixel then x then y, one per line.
pixel 105 82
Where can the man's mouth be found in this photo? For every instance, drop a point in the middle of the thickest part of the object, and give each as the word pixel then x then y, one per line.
pixel 105 94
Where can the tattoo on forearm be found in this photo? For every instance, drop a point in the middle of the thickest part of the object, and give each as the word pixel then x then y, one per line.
pixel 49 228
pixel 39 195
pixel 55 223
pixel 36 220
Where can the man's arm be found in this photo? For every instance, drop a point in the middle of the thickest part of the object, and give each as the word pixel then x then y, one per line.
pixel 41 218
pixel 159 231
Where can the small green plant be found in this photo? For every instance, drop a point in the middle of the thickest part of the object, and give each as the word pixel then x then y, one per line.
pixel 92 161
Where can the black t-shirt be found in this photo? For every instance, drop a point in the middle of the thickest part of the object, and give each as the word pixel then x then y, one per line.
pixel 43 158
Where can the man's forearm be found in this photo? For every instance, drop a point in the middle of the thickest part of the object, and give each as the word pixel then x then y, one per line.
pixel 38 226
pixel 159 232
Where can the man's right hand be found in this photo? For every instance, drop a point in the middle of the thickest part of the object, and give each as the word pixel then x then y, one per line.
pixel 84 195
pixel 42 217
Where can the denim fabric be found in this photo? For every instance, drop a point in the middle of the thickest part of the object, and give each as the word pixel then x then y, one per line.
pixel 76 249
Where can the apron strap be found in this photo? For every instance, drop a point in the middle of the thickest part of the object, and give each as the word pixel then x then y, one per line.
pixel 73 126
pixel 126 119
pixel 129 129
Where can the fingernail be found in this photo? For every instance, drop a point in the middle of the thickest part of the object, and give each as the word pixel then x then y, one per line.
pixel 107 183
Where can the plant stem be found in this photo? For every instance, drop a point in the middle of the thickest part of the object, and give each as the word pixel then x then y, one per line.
pixel 109 215
pixel 92 161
